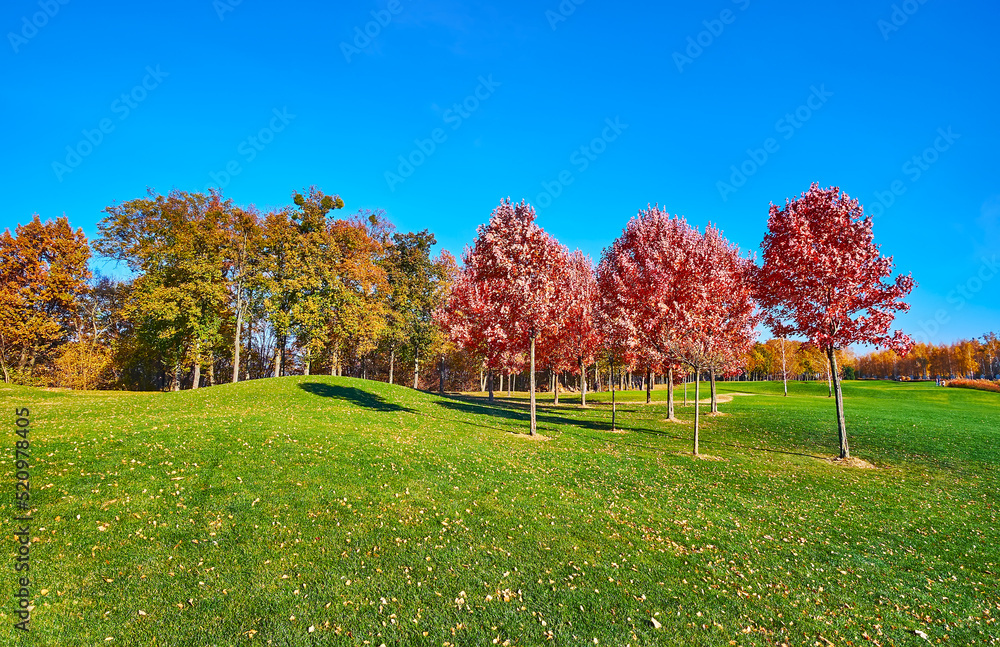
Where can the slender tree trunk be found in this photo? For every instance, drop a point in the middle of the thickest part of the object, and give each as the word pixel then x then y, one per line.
pixel 482 380
pixel 211 369
pixel 614 406
pixel 670 393
pixel 176 382
pixel 845 451
pixel 308 365
pixel 489 382
pixel 236 341
pixel 583 384
pixel 277 357
pixel 829 378
pixel 281 357
pixel 510 384
pixel 555 386
pixel 392 363
pixel 196 381
pixel 534 423
pixel 441 376
pixel 715 397
pixel 697 408
pixel 784 370
pixel 501 381
pixel 649 386
pixel 685 390
pixel 416 371
pixel 6 375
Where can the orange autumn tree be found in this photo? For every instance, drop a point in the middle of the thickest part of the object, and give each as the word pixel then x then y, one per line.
pixel 43 275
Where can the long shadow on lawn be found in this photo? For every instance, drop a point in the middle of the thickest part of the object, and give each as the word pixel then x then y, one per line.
pixel 353 395
pixel 519 411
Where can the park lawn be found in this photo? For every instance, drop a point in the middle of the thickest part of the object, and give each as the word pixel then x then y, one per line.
pixel 321 510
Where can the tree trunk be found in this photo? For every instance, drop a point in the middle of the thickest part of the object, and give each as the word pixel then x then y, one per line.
pixel 685 390
pixel 829 378
pixel 211 369
pixel 784 370
pixel 416 371
pixel 715 397
pixel 482 381
pixel 697 393
pixel 501 381
pixel 441 376
pixel 489 382
pixel 196 381
pixel 392 363
pixel 555 386
pixel 236 342
pixel 649 386
pixel 534 423
pixel 614 406
pixel 510 384
pixel 583 384
pixel 277 357
pixel 175 384
pixel 308 366
pixel 845 451
pixel 670 393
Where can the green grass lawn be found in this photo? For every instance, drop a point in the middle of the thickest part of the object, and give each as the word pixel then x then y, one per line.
pixel 333 511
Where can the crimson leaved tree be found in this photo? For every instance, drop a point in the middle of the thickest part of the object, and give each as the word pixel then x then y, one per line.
pixel 824 278
pixel 518 266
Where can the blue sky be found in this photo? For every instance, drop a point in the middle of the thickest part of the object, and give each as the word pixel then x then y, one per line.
pixel 436 110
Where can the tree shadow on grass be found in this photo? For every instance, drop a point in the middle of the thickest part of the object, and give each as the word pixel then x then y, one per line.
pixel 518 410
pixel 354 396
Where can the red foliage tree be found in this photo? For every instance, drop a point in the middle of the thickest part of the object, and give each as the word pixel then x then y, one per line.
pixel 641 282
pixel 823 277
pixel 570 344
pixel 513 274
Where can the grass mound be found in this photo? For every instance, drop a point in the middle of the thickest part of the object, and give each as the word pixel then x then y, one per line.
pixel 333 511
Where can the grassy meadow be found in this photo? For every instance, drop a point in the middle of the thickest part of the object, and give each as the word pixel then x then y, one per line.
pixel 334 511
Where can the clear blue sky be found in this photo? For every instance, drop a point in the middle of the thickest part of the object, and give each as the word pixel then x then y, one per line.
pixel 844 98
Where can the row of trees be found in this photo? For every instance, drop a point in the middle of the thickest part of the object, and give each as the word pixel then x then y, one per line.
pixel 219 293
pixel 669 298
pixel 968 358
pixel 222 293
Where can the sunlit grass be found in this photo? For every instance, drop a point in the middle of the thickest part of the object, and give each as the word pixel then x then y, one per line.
pixel 319 510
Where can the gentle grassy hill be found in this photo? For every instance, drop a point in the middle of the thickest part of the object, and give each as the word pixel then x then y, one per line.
pixel 318 510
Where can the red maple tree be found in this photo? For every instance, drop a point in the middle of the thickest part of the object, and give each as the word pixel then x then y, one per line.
pixel 512 288
pixel 824 278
